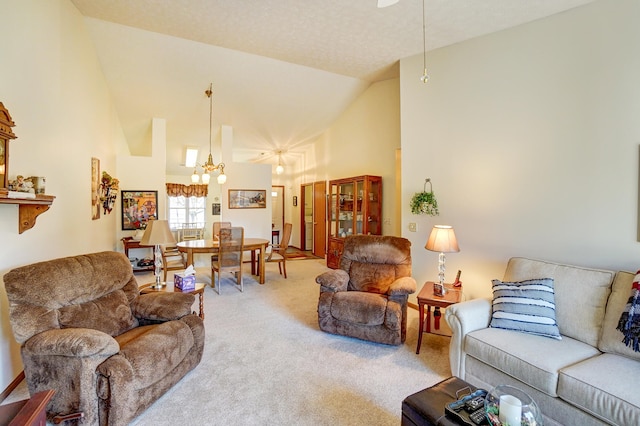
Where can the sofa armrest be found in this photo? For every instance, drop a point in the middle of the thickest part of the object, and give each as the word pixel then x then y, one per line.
pixel 464 318
pixel 334 280
pixel 72 342
pixel 403 286
pixel 162 306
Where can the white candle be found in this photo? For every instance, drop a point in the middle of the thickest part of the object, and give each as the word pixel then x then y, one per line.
pixel 510 410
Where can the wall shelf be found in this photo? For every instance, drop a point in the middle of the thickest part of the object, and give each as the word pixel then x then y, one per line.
pixel 28 208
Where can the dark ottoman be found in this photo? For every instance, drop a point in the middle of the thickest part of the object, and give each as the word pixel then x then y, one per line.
pixel 427 406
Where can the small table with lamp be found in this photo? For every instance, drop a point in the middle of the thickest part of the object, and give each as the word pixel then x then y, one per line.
pixel 428 297
pixel 442 239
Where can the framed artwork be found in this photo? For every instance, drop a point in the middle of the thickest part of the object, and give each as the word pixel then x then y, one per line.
pixel 215 209
pixel 138 207
pixel 247 199
pixel 95 188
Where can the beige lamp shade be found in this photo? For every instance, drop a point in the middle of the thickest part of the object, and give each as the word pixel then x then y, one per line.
pixel 442 239
pixel 157 233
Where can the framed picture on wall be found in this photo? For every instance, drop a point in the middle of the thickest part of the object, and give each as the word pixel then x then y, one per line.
pixel 138 207
pixel 95 188
pixel 247 199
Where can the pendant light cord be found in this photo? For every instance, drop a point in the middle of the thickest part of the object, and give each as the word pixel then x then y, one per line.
pixel 209 94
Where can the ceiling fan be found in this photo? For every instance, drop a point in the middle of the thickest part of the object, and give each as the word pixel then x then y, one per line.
pixel 385 3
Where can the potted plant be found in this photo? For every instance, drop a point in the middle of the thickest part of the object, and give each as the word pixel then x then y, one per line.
pixel 425 202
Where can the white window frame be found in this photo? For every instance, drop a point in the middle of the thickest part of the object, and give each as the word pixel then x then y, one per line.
pixel 190 211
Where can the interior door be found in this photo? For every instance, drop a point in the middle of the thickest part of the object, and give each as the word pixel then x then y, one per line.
pixel 277 212
pixel 306 219
pixel 319 218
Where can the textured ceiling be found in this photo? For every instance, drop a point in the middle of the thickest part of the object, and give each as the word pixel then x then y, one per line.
pixel 348 38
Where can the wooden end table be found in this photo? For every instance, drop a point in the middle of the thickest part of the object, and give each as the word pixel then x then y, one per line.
pixel 30 412
pixel 427 297
pixel 199 290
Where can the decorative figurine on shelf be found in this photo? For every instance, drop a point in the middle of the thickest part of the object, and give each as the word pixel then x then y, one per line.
pixel 22 185
pixel 108 192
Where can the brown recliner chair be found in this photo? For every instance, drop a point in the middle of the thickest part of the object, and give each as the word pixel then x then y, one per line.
pixel 87 333
pixel 367 297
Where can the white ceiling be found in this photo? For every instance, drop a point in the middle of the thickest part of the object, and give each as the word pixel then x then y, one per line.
pixel 326 53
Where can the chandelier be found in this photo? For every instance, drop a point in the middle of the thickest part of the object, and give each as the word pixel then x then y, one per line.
pixel 280 167
pixel 209 166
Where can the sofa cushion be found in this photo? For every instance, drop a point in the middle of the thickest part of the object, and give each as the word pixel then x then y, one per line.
pixel 580 317
pixel 525 306
pixel 604 386
pixel 611 338
pixel 359 307
pixel 110 314
pixel 521 355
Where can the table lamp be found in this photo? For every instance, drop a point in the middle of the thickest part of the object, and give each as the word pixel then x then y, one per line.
pixel 442 239
pixel 157 233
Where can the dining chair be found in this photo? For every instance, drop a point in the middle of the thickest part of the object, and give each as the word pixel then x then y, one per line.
pixel 279 251
pixel 216 232
pixel 217 226
pixel 172 260
pixel 231 246
pixel 191 231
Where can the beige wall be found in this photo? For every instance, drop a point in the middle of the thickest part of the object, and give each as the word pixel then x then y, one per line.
pixel 530 137
pixel 55 92
pixel 363 141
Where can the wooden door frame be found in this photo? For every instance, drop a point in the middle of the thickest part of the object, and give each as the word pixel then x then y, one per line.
pixel 283 205
pixel 303 231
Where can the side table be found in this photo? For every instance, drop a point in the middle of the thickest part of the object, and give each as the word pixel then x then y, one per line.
pixel 199 290
pixel 128 244
pixel 427 297
pixel 29 412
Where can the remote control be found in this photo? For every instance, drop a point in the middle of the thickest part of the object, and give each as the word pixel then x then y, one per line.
pixel 478 416
pixel 474 403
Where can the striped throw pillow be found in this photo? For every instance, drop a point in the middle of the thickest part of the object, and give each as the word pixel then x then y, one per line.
pixel 525 306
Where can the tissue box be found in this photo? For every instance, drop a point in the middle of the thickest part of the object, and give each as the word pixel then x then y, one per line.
pixel 184 283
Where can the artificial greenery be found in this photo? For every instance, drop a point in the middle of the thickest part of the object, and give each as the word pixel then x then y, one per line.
pixel 424 203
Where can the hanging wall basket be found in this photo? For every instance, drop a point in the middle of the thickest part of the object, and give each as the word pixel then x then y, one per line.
pixel 425 202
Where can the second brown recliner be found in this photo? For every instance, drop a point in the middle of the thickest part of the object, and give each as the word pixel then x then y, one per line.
pixel 367 296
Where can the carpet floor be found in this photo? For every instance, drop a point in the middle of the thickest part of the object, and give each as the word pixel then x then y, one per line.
pixel 266 362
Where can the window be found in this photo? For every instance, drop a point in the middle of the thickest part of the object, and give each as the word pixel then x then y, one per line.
pixel 186 210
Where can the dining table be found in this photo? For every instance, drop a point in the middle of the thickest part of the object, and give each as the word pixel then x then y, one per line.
pixel 211 246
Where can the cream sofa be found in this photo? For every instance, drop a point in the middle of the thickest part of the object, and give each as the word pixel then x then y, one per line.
pixel 589 377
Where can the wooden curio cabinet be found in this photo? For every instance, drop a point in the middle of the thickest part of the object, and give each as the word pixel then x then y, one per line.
pixel 355 207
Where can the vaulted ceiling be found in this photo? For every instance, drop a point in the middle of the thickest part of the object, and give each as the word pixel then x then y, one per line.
pixel 282 70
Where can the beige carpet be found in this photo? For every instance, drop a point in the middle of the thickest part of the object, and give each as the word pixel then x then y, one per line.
pixel 267 363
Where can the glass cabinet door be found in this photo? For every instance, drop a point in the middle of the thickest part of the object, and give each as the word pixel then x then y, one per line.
pixel 374 221
pixel 345 209
pixel 359 207
pixel 333 210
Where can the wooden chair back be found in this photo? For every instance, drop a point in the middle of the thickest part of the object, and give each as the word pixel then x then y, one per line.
pixel 217 226
pixel 229 259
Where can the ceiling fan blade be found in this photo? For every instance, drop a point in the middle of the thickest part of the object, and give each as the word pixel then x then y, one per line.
pixel 385 3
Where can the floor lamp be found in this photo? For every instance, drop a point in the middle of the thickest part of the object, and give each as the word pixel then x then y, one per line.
pixel 442 239
pixel 157 233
